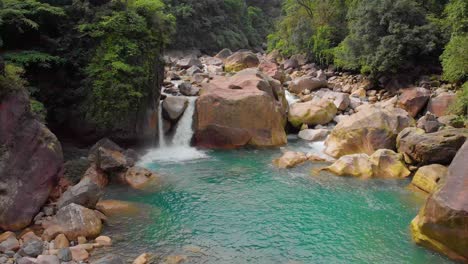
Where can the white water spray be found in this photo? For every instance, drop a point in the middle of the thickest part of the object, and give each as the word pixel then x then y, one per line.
pixel 162 140
pixel 292 99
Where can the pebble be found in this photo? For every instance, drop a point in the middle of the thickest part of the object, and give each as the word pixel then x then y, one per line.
pixel 104 240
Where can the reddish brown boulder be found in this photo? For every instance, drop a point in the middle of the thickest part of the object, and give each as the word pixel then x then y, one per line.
pixel 413 100
pixel 246 109
pixel 273 70
pixel 423 148
pixel 440 104
pixel 30 162
pixel 442 224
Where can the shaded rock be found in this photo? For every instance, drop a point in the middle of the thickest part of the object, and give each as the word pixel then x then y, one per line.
pixel 109 260
pixel 314 134
pixel 290 159
pixel 426 148
pixel 440 104
pixel 9 244
pixel 26 260
pixel 429 123
pixel 186 63
pixel 85 193
pixel 144 258
pixel 111 160
pixel 452 120
pixel 96 176
pixel 312 113
pixel 141 178
pixel 193 70
pixel 341 100
pixel 6 235
pixel 367 131
pixel 214 61
pixel 31 162
pixel 428 177
pixel 65 254
pixel 31 248
pixel 223 54
pixel 188 89
pixel 80 254
pixel 115 207
pixel 442 224
pixel 301 84
pixel 290 64
pixel 102 143
pixel 73 221
pixel 241 60
pixel 104 241
pixel 61 241
pixel 174 106
pixel 271 69
pixel 413 100
pixel 259 105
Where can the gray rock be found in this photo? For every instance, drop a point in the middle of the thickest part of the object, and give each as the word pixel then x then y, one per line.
pixel 64 254
pixel 27 260
pixel 103 143
pixel 187 89
pixel 85 193
pixel 31 248
pixel 429 123
pixel 189 62
pixel 174 107
pixel 193 70
pixel 314 134
pixel 11 244
pixel 111 160
pixel 223 54
pixel 48 259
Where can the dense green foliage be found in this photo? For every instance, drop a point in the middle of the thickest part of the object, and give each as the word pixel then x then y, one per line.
pixel 212 25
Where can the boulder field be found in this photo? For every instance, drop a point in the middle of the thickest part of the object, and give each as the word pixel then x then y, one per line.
pixel 248 108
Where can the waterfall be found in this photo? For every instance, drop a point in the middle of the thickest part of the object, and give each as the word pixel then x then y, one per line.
pixel 179 150
pixel 292 99
pixel 162 140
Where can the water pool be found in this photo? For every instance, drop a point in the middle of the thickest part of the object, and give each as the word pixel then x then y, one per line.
pixel 235 207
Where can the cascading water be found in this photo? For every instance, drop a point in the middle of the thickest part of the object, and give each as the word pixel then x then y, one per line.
pixel 162 140
pixel 292 99
pixel 179 150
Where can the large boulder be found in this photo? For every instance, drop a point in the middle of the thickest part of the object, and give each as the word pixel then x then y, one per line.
pixel 73 221
pixel 384 163
pixel 188 89
pixel 186 63
pixel 248 108
pixel 423 148
pixel 428 177
pixel 315 112
pixel 273 70
pixel 413 100
pixel 367 131
pixel 102 143
pixel 429 123
pixel 442 223
pixel 341 100
pixel 440 104
pixel 290 159
pixel 223 54
pixel 174 106
pixel 85 193
pixel 241 60
pixel 30 162
pixel 306 82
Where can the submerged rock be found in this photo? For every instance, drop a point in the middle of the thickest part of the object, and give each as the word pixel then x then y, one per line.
pixel 141 178
pixel 442 224
pixel 31 162
pixel 116 207
pixel 290 159
pixel 248 108
pixel 428 177
pixel 312 113
pixel 426 148
pixel 367 131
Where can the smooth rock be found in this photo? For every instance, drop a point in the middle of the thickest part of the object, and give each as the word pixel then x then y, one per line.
pixel 223 54
pixel 414 100
pixel 301 84
pixel 429 123
pixel 174 106
pixel 186 63
pixel 85 193
pixel 367 131
pixel 314 134
pixel 312 113
pixel 65 254
pixel 241 60
pixel 357 165
pixel 79 253
pixel 248 108
pixel 440 104
pixel 290 159
pixel 144 258
pixel 31 162
pixel 427 148
pixel 188 89
pixel 31 248
pixel 141 178
pixel 61 241
pixel 442 223
pixel 9 244
pixel 428 177
pixel 47 259
pixel 6 235
pixel 115 207
pixel 104 241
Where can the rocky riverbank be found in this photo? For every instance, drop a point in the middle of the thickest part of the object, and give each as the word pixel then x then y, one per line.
pixel 386 130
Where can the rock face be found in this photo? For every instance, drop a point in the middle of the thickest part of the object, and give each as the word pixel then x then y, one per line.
pixel 30 162
pixel 246 109
pixel 73 221
pixel 241 60
pixel 174 106
pixel 85 193
pixel 439 105
pixel 384 163
pixel 366 131
pixel 307 82
pixel 290 159
pixel 442 224
pixel 312 113
pixel 413 100
pixel 428 177
pixel 423 148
